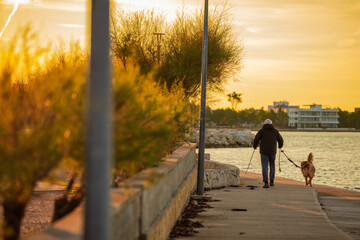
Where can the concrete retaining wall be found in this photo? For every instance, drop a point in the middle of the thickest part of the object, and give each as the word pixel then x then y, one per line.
pixel 146 206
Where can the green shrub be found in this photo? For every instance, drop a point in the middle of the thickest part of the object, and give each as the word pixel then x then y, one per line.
pixel 42 101
pixel 36 90
pixel 148 120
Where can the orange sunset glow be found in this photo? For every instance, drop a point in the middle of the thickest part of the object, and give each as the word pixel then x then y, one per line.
pixel 303 52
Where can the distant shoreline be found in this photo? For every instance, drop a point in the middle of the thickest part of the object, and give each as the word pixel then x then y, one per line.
pixel 314 130
pixel 292 129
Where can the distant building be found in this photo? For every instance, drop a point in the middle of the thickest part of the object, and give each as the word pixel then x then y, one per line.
pixel 277 105
pixel 313 117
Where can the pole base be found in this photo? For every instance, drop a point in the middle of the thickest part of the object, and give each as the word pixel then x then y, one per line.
pixel 201 197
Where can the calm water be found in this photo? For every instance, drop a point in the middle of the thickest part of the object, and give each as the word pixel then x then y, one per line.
pixel 336 157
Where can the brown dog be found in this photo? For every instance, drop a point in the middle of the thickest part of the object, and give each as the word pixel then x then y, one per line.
pixel 308 169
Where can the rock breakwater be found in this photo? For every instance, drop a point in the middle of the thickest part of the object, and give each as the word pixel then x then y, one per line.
pixel 225 138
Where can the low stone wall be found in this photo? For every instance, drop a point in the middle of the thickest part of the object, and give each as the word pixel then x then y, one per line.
pixel 220 175
pixel 146 206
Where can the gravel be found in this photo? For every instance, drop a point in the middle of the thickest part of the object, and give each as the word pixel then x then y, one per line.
pixel 38 213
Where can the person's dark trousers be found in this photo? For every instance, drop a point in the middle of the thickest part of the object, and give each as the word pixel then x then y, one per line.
pixel 265 161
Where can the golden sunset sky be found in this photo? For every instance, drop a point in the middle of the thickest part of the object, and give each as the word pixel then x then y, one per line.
pixel 301 51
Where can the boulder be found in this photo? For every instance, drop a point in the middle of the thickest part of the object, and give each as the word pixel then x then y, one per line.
pixel 219 175
pixel 223 138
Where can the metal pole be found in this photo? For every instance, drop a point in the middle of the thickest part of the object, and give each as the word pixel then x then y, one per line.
pixel 158 37
pixel 158 47
pixel 200 177
pixel 98 142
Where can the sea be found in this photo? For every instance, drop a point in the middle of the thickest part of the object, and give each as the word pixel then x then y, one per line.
pixel 336 157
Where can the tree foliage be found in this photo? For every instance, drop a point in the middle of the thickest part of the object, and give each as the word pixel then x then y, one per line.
pixel 181 48
pixel 254 117
pixel 234 98
pixel 133 39
pixel 246 118
pixel 349 119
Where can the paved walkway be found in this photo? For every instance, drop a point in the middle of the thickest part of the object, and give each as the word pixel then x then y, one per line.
pixel 286 211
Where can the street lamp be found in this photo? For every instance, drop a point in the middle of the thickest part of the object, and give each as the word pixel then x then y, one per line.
pixel 200 177
pixel 158 36
pixel 98 140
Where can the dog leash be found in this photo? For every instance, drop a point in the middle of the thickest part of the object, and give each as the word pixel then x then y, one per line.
pixel 250 161
pixel 289 159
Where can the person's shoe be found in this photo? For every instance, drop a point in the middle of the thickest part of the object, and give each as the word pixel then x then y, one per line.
pixel 266 185
pixel 272 184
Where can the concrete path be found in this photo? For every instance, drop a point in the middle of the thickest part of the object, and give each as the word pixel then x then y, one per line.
pixel 342 207
pixel 286 211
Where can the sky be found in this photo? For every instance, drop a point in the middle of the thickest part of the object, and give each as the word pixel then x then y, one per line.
pixel 300 51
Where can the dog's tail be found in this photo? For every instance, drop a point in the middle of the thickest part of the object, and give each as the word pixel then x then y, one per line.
pixel 310 157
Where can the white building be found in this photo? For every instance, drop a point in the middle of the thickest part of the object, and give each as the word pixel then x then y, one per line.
pixel 313 117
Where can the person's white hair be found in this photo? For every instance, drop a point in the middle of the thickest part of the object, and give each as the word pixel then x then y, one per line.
pixel 268 121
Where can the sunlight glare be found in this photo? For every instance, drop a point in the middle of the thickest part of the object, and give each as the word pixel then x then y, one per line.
pixel 162 6
pixel 18 1
pixel 72 25
pixel 16 4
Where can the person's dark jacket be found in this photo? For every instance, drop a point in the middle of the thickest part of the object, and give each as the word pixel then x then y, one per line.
pixel 268 136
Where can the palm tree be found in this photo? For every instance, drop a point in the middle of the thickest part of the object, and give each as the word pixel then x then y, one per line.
pixel 235 99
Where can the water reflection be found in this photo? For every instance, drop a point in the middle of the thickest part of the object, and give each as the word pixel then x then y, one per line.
pixel 336 157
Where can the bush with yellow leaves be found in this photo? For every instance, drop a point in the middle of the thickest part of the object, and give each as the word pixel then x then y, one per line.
pixel 36 90
pixel 42 101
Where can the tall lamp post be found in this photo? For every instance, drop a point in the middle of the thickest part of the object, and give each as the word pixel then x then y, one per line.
pixel 200 177
pixel 98 141
pixel 159 35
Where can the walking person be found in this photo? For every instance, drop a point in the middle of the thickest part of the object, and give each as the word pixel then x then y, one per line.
pixel 268 137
